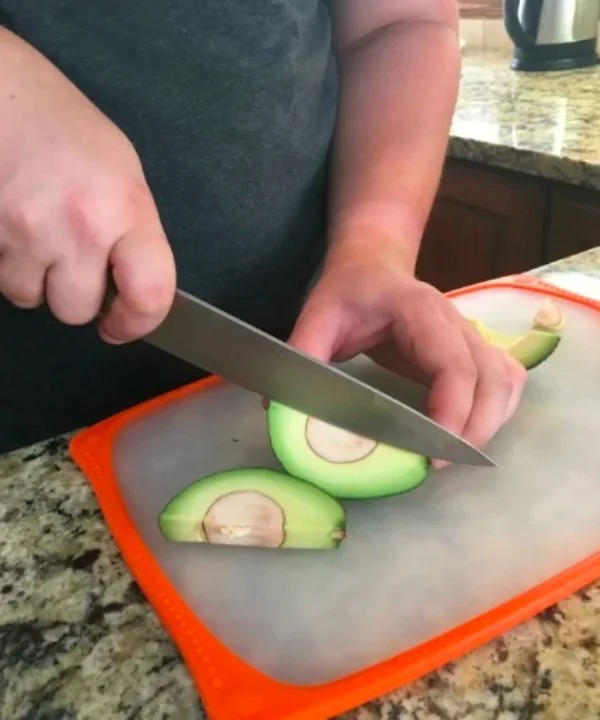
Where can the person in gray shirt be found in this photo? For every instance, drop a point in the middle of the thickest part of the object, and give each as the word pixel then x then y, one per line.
pixel 234 149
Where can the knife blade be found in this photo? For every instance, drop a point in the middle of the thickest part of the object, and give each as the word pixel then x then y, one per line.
pixel 219 343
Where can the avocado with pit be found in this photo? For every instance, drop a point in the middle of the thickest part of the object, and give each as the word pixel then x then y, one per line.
pixel 339 462
pixel 349 466
pixel 254 507
pixel 536 345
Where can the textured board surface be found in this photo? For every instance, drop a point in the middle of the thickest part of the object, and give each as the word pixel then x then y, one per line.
pixel 413 566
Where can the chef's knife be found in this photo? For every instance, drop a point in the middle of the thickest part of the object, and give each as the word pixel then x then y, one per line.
pixel 219 343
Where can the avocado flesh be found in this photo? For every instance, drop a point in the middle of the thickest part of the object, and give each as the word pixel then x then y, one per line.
pixel 254 507
pixel 341 463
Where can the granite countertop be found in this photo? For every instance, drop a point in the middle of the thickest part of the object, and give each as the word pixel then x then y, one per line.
pixel 78 641
pixel 544 124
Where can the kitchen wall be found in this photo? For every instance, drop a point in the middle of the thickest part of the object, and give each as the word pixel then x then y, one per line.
pixel 484 34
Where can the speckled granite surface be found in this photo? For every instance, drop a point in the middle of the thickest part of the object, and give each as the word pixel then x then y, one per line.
pixel 544 124
pixel 79 642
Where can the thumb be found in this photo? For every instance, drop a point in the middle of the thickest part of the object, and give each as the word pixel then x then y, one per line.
pixel 317 330
pixel 143 269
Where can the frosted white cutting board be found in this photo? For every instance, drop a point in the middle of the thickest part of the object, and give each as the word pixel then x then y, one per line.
pixel 412 566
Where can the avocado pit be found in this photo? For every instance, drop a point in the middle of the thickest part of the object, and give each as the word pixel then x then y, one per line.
pixel 245 517
pixel 548 317
pixel 335 444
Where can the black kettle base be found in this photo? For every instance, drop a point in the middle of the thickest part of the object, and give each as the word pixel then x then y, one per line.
pixel 565 56
pixel 536 65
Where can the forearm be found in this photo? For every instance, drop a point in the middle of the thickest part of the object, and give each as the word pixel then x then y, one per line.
pixel 398 91
pixel 33 91
pixel 21 81
pixel 24 72
pixel 14 52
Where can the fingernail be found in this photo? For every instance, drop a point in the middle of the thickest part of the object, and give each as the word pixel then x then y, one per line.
pixel 440 464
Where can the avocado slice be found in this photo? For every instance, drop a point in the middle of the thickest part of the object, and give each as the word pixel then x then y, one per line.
pixel 535 346
pixel 339 462
pixel 254 507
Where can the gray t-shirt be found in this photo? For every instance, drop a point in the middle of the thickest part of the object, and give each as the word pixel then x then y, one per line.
pixel 231 105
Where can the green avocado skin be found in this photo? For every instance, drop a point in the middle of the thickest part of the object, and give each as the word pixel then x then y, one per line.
pixel 538 354
pixel 384 472
pixel 530 350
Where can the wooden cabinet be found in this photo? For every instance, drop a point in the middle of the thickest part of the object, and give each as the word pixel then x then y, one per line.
pixel 488 222
pixel 574 223
pixel 485 223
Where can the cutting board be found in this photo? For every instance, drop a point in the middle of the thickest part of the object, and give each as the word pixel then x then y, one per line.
pixel 421 578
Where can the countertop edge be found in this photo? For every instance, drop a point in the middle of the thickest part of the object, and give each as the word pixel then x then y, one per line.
pixel 536 164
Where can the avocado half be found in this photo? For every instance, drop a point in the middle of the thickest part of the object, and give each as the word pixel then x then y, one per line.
pixel 341 463
pixel 354 467
pixel 254 507
pixel 537 344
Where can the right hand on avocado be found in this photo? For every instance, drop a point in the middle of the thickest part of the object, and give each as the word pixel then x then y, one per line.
pixel 368 301
pixel 74 204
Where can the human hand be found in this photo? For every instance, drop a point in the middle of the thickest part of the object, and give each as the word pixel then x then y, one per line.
pixel 371 302
pixel 74 205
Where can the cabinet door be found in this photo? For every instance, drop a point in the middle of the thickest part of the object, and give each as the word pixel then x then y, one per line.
pixel 575 222
pixel 485 223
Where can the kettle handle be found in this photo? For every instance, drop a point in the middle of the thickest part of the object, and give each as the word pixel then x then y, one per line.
pixel 513 25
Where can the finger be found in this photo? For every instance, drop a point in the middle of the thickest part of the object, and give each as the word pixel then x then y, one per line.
pixel 495 385
pixel 22 280
pixel 446 358
pixel 143 269
pixel 520 374
pixel 317 330
pixel 438 348
pixel 389 356
pixel 451 396
pixel 75 289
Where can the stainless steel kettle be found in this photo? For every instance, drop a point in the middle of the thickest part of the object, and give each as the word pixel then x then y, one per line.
pixel 552 34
